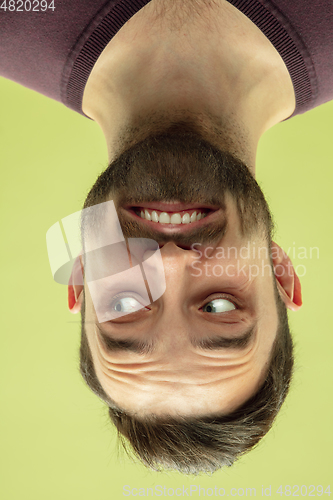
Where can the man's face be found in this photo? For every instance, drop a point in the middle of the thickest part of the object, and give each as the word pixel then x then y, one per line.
pixel 204 346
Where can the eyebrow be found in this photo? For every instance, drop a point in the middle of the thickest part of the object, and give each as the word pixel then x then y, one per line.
pixel 219 342
pixel 143 347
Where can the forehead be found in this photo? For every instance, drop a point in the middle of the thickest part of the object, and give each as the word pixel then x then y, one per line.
pixel 184 387
pixel 180 382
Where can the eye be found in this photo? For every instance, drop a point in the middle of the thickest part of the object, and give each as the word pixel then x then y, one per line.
pixel 219 306
pixel 125 304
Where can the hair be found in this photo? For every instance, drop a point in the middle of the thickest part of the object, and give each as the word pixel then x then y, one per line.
pixel 193 445
pixel 190 444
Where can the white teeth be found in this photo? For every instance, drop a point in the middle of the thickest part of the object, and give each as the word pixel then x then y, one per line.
pixel 154 216
pixel 176 219
pixel 164 217
pixel 186 219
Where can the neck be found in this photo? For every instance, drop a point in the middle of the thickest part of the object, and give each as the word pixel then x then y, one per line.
pixel 213 68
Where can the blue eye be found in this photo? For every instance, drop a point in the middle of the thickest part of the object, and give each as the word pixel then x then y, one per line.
pixel 220 306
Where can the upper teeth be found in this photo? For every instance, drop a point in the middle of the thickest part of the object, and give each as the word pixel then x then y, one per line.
pixel 175 218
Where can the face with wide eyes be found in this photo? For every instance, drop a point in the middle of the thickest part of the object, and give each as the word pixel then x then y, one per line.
pixel 203 347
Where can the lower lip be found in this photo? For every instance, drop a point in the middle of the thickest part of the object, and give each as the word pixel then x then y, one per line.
pixel 174 228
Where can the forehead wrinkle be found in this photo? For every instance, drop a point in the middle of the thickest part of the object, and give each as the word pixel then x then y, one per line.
pixel 154 385
pixel 153 375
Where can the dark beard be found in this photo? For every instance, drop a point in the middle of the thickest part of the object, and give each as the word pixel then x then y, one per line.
pixel 179 165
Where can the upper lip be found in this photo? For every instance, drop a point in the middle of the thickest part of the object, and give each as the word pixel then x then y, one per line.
pixel 170 206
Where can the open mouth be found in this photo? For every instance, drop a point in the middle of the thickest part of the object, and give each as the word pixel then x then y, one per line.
pixel 176 217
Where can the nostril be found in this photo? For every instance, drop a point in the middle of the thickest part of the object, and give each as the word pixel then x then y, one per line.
pixel 180 245
pixel 185 247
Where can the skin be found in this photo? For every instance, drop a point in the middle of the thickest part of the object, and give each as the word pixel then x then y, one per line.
pixel 212 67
pixel 177 378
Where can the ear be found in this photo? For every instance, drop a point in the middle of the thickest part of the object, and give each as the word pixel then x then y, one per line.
pixel 288 282
pixel 75 286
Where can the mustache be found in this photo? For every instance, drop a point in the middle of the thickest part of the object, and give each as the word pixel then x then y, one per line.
pixel 207 234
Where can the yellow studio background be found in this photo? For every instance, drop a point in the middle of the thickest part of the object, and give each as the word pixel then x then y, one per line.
pixel 56 439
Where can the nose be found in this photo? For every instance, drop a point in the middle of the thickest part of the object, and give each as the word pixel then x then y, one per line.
pixel 170 243
pixel 172 248
pixel 169 249
pixel 176 258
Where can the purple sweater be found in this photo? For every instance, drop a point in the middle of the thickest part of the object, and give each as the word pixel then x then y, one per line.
pixel 53 52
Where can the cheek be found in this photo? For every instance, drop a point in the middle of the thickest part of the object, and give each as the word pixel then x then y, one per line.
pixel 89 307
pixel 267 328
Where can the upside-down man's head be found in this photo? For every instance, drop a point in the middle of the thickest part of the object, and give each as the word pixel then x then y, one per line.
pixel 196 378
